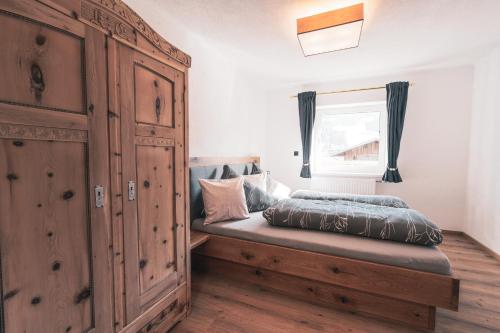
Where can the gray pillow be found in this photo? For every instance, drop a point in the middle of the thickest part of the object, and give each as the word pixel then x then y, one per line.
pixel 228 172
pixel 256 198
pixel 256 169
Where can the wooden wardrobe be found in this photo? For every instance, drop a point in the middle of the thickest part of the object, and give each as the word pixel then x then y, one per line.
pixel 93 170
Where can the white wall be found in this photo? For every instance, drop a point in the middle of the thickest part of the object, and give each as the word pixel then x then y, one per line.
pixel 226 107
pixel 483 191
pixel 434 149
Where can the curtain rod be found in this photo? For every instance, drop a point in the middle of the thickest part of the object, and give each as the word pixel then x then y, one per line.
pixel 349 90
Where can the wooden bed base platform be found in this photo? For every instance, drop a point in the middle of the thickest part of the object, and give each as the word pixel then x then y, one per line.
pixel 388 292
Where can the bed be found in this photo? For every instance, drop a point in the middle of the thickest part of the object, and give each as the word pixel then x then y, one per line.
pixel 256 229
pixel 389 280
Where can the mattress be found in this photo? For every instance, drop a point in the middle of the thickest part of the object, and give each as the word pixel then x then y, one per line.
pixel 256 228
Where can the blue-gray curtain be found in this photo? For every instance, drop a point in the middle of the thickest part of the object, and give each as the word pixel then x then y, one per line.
pixel 397 95
pixel 307 113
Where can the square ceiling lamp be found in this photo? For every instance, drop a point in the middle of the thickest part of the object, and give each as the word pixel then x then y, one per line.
pixel 335 30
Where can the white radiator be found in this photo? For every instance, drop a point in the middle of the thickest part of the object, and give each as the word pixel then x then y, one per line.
pixel 343 185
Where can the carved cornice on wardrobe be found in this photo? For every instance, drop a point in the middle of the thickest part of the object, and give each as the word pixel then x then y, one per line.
pixel 118 19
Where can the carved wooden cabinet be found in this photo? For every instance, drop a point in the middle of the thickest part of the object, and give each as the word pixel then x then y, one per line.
pixel 93 181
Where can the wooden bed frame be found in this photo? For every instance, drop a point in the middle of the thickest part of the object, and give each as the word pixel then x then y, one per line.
pixel 389 292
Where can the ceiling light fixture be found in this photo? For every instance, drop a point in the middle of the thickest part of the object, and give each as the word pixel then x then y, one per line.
pixel 335 30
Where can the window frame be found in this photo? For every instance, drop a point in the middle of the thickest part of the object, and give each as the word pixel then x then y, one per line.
pixel 351 169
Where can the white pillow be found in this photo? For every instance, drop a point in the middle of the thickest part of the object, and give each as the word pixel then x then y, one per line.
pixel 277 189
pixel 257 180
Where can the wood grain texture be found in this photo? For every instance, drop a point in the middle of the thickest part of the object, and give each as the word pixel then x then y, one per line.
pixel 154 131
pixel 38 11
pixel 98 151
pixel 44 236
pixel 391 281
pixel 154 97
pixel 225 305
pixel 32 116
pixel 117 192
pixel 209 161
pixel 187 194
pixel 330 19
pixel 154 223
pixel 198 238
pixel 68 81
pixel 40 62
pixel 155 201
pixel 417 315
pixel 60 151
pixel 478 243
pixel 164 305
pixel 130 222
pixel 70 8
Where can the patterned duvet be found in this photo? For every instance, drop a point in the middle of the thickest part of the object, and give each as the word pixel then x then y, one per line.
pixel 378 217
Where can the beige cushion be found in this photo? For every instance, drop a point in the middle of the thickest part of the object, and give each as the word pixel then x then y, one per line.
pixel 224 199
pixel 257 180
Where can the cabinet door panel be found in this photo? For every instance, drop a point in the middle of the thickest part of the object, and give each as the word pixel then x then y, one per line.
pixel 153 97
pixel 44 66
pixel 152 157
pixel 55 250
pixel 44 236
pixel 155 201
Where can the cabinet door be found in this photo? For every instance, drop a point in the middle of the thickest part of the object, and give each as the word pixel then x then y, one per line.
pixel 55 274
pixel 152 134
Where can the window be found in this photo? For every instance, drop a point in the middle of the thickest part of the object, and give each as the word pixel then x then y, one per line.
pixel 350 139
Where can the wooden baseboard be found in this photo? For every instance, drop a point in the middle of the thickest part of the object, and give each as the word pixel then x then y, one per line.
pixel 478 243
pixel 453 232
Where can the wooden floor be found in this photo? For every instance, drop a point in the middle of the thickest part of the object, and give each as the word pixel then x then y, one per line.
pixel 221 305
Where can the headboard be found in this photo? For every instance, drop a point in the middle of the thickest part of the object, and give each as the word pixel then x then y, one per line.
pixel 211 168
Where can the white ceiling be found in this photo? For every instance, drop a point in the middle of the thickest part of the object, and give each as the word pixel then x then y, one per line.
pixel 397 34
